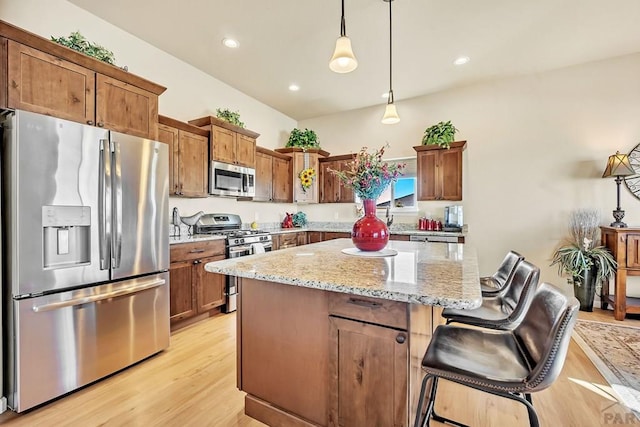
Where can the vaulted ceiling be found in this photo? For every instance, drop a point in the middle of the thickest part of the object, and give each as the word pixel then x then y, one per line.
pixel 290 41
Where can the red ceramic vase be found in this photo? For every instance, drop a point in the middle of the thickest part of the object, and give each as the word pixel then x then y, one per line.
pixel 369 232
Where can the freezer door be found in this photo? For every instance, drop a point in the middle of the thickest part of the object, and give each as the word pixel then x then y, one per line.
pixel 53 212
pixel 70 339
pixel 140 193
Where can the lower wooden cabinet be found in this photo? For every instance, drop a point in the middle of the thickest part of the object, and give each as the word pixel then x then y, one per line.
pixel 193 290
pixel 314 236
pixel 288 240
pixel 330 235
pixel 368 374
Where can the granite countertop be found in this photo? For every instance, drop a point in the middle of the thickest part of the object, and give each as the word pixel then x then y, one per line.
pixel 424 273
pixel 193 238
pixel 186 238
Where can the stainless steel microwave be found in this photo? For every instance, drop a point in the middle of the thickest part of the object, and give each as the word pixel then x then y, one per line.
pixel 231 180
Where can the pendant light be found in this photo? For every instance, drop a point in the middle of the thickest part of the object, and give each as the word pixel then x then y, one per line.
pixel 390 113
pixel 343 59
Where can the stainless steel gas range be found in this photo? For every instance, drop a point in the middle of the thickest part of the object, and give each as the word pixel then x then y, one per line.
pixel 239 243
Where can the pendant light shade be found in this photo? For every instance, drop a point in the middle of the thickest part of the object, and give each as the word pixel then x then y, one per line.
pixel 390 113
pixel 343 59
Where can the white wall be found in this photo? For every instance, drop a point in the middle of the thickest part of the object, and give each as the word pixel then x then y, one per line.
pixel 537 147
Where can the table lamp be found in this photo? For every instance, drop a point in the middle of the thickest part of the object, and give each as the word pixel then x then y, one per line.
pixel 618 166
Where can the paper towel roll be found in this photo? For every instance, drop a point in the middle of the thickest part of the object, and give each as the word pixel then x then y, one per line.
pixel 257 248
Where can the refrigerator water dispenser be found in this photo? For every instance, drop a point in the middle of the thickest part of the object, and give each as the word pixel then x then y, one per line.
pixel 66 239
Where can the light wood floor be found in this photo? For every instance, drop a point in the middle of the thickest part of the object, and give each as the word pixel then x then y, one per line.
pixel 193 384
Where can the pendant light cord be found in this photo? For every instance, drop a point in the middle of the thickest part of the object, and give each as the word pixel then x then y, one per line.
pixel 390 99
pixel 343 26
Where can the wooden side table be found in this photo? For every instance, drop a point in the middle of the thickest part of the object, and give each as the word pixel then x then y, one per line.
pixel 624 243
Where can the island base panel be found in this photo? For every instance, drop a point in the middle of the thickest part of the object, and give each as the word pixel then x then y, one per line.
pixel 270 415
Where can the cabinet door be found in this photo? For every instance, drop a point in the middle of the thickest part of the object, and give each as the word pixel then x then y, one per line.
pixel 264 178
pixel 224 142
pixel 193 164
pixel 451 174
pixel 372 393
pixel 281 185
pixel 302 238
pixel 633 251
pixel 330 235
pixel 169 136
pixel 210 286
pixel 327 183
pixel 126 108
pixel 181 290
pixel 314 236
pixel 44 84
pixel 428 175
pixel 345 193
pixel 245 154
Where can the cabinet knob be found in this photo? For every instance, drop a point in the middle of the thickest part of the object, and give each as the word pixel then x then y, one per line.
pixel 90 122
pixel 199 261
pixel 100 124
pixel 401 338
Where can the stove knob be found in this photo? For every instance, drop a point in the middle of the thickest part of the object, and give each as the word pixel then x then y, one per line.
pixel 237 241
pixel 241 240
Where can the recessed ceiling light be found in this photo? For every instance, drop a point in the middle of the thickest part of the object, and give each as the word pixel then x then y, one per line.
pixel 461 60
pixel 294 87
pixel 231 43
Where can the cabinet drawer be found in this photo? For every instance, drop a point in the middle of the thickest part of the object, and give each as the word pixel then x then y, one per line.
pixel 371 310
pixel 288 239
pixel 187 251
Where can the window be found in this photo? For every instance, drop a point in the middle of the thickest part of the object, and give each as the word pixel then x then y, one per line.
pixel 401 196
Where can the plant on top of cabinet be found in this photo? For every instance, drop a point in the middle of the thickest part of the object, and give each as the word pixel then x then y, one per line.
pixel 441 134
pixel 306 138
pixel 77 41
pixel 232 117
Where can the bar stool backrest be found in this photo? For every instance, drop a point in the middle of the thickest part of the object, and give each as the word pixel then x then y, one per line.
pixel 517 293
pixel 545 333
pixel 507 268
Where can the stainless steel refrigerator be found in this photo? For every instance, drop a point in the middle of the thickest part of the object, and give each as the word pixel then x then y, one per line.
pixel 87 254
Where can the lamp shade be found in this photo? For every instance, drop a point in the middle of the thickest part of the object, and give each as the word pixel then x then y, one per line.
pixel 618 165
pixel 390 115
pixel 343 59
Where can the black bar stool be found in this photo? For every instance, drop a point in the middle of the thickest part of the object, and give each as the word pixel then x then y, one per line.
pixel 508 363
pixel 491 285
pixel 505 308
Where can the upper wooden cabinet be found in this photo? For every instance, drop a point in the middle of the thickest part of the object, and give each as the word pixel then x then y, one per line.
pixel 331 188
pixel 440 171
pixel 229 143
pixel 303 159
pixel 188 157
pixel 44 77
pixel 273 176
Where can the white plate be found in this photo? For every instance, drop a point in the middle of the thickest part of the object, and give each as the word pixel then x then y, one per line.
pixel 357 252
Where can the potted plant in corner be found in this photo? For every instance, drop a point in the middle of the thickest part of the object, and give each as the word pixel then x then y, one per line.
pixel 582 258
pixel 441 134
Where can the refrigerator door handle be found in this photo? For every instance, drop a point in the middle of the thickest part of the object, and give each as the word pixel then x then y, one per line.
pixel 116 249
pixel 95 298
pixel 104 205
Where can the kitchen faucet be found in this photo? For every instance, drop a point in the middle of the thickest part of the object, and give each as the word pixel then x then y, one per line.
pixel 389 219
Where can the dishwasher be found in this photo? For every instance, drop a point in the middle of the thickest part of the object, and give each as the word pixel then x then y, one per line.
pixel 429 238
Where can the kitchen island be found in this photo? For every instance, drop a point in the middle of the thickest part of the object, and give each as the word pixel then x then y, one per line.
pixel 326 338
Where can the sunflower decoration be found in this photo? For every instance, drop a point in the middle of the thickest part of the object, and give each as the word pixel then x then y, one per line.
pixel 306 178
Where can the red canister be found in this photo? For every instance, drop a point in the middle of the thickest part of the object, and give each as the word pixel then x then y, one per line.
pixel 422 223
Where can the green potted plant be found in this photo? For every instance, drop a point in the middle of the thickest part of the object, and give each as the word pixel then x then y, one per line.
pixel 78 42
pixel 232 117
pixel 442 134
pixel 306 138
pixel 580 257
